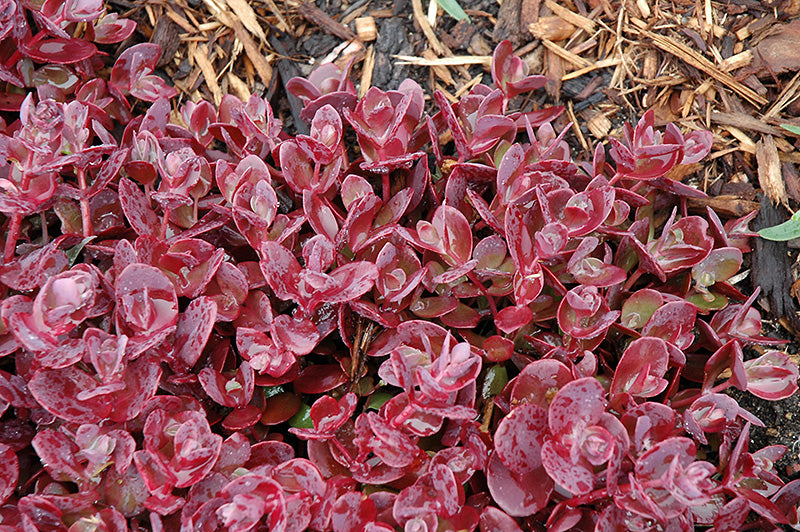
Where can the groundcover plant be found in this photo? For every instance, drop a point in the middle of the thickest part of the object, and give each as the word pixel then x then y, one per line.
pixel 400 321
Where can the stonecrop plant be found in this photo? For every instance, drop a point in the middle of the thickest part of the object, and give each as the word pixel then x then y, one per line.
pixel 209 324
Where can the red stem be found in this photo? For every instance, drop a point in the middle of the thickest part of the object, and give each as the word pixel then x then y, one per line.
pixel 13 235
pixel 387 187
pixel 492 306
pixel 165 223
pixel 86 213
pixel 686 401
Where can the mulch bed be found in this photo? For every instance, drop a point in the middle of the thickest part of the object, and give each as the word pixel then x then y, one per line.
pixel 731 67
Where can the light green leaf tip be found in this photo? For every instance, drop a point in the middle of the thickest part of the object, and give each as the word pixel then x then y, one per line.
pixel 453 9
pixel 793 129
pixel 788 230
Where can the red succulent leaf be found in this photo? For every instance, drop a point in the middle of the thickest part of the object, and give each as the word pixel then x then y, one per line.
pixel 521 495
pixel 510 73
pixel 496 520
pixel 58 454
pixel 448 234
pixel 352 512
pixel 682 244
pixel 328 415
pixel 282 271
pixel 673 322
pixel 320 215
pixel 519 437
pixel 551 240
pixel 720 265
pixel 110 29
pixel 193 330
pixel 58 50
pixel 33 269
pixel 648 424
pixel 510 319
pixel 728 357
pixel 640 371
pixel 639 307
pixel 74 395
pixel 323 142
pixel 578 402
pixel 589 270
pixel 147 300
pixel 9 472
pixel 263 354
pixel 235 391
pixel 228 290
pixel 433 307
pixel 416 499
pixel 584 313
pixel 319 378
pixel 190 264
pixel 106 353
pixel 250 498
pixel 137 209
pixel 537 381
pixel 710 413
pixel 132 74
pixel 697 145
pixel 772 376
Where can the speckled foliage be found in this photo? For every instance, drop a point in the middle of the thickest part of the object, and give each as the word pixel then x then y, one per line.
pixel 209 324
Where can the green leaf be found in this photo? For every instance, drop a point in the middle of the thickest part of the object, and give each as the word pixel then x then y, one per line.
pixel 302 419
pixel 73 252
pixel 793 129
pixel 495 380
pixel 377 399
pixel 788 230
pixel 453 9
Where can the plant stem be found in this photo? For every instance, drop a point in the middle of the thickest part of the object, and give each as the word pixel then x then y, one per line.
pixel 165 223
pixel 492 306
pixel 45 236
pixel 387 187
pixel 86 214
pixel 13 235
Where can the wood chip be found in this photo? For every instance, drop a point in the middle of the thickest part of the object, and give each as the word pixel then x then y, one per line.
pixel 575 19
pixel 366 29
pixel 180 21
pixel 247 16
pixel 366 71
pixel 577 128
pixel 238 87
pixel 747 143
pixel 437 46
pixel 770 176
pixel 441 72
pixel 727 206
pixel 282 24
pixel 209 73
pixel 565 54
pixel 316 16
pixel 598 123
pixel 693 58
pixel 255 56
pixel 468 86
pixel 605 63
pixel 743 121
pixel 552 28
pixel 737 61
pixel 789 94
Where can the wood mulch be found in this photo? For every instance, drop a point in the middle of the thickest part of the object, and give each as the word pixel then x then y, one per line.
pixel 732 67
